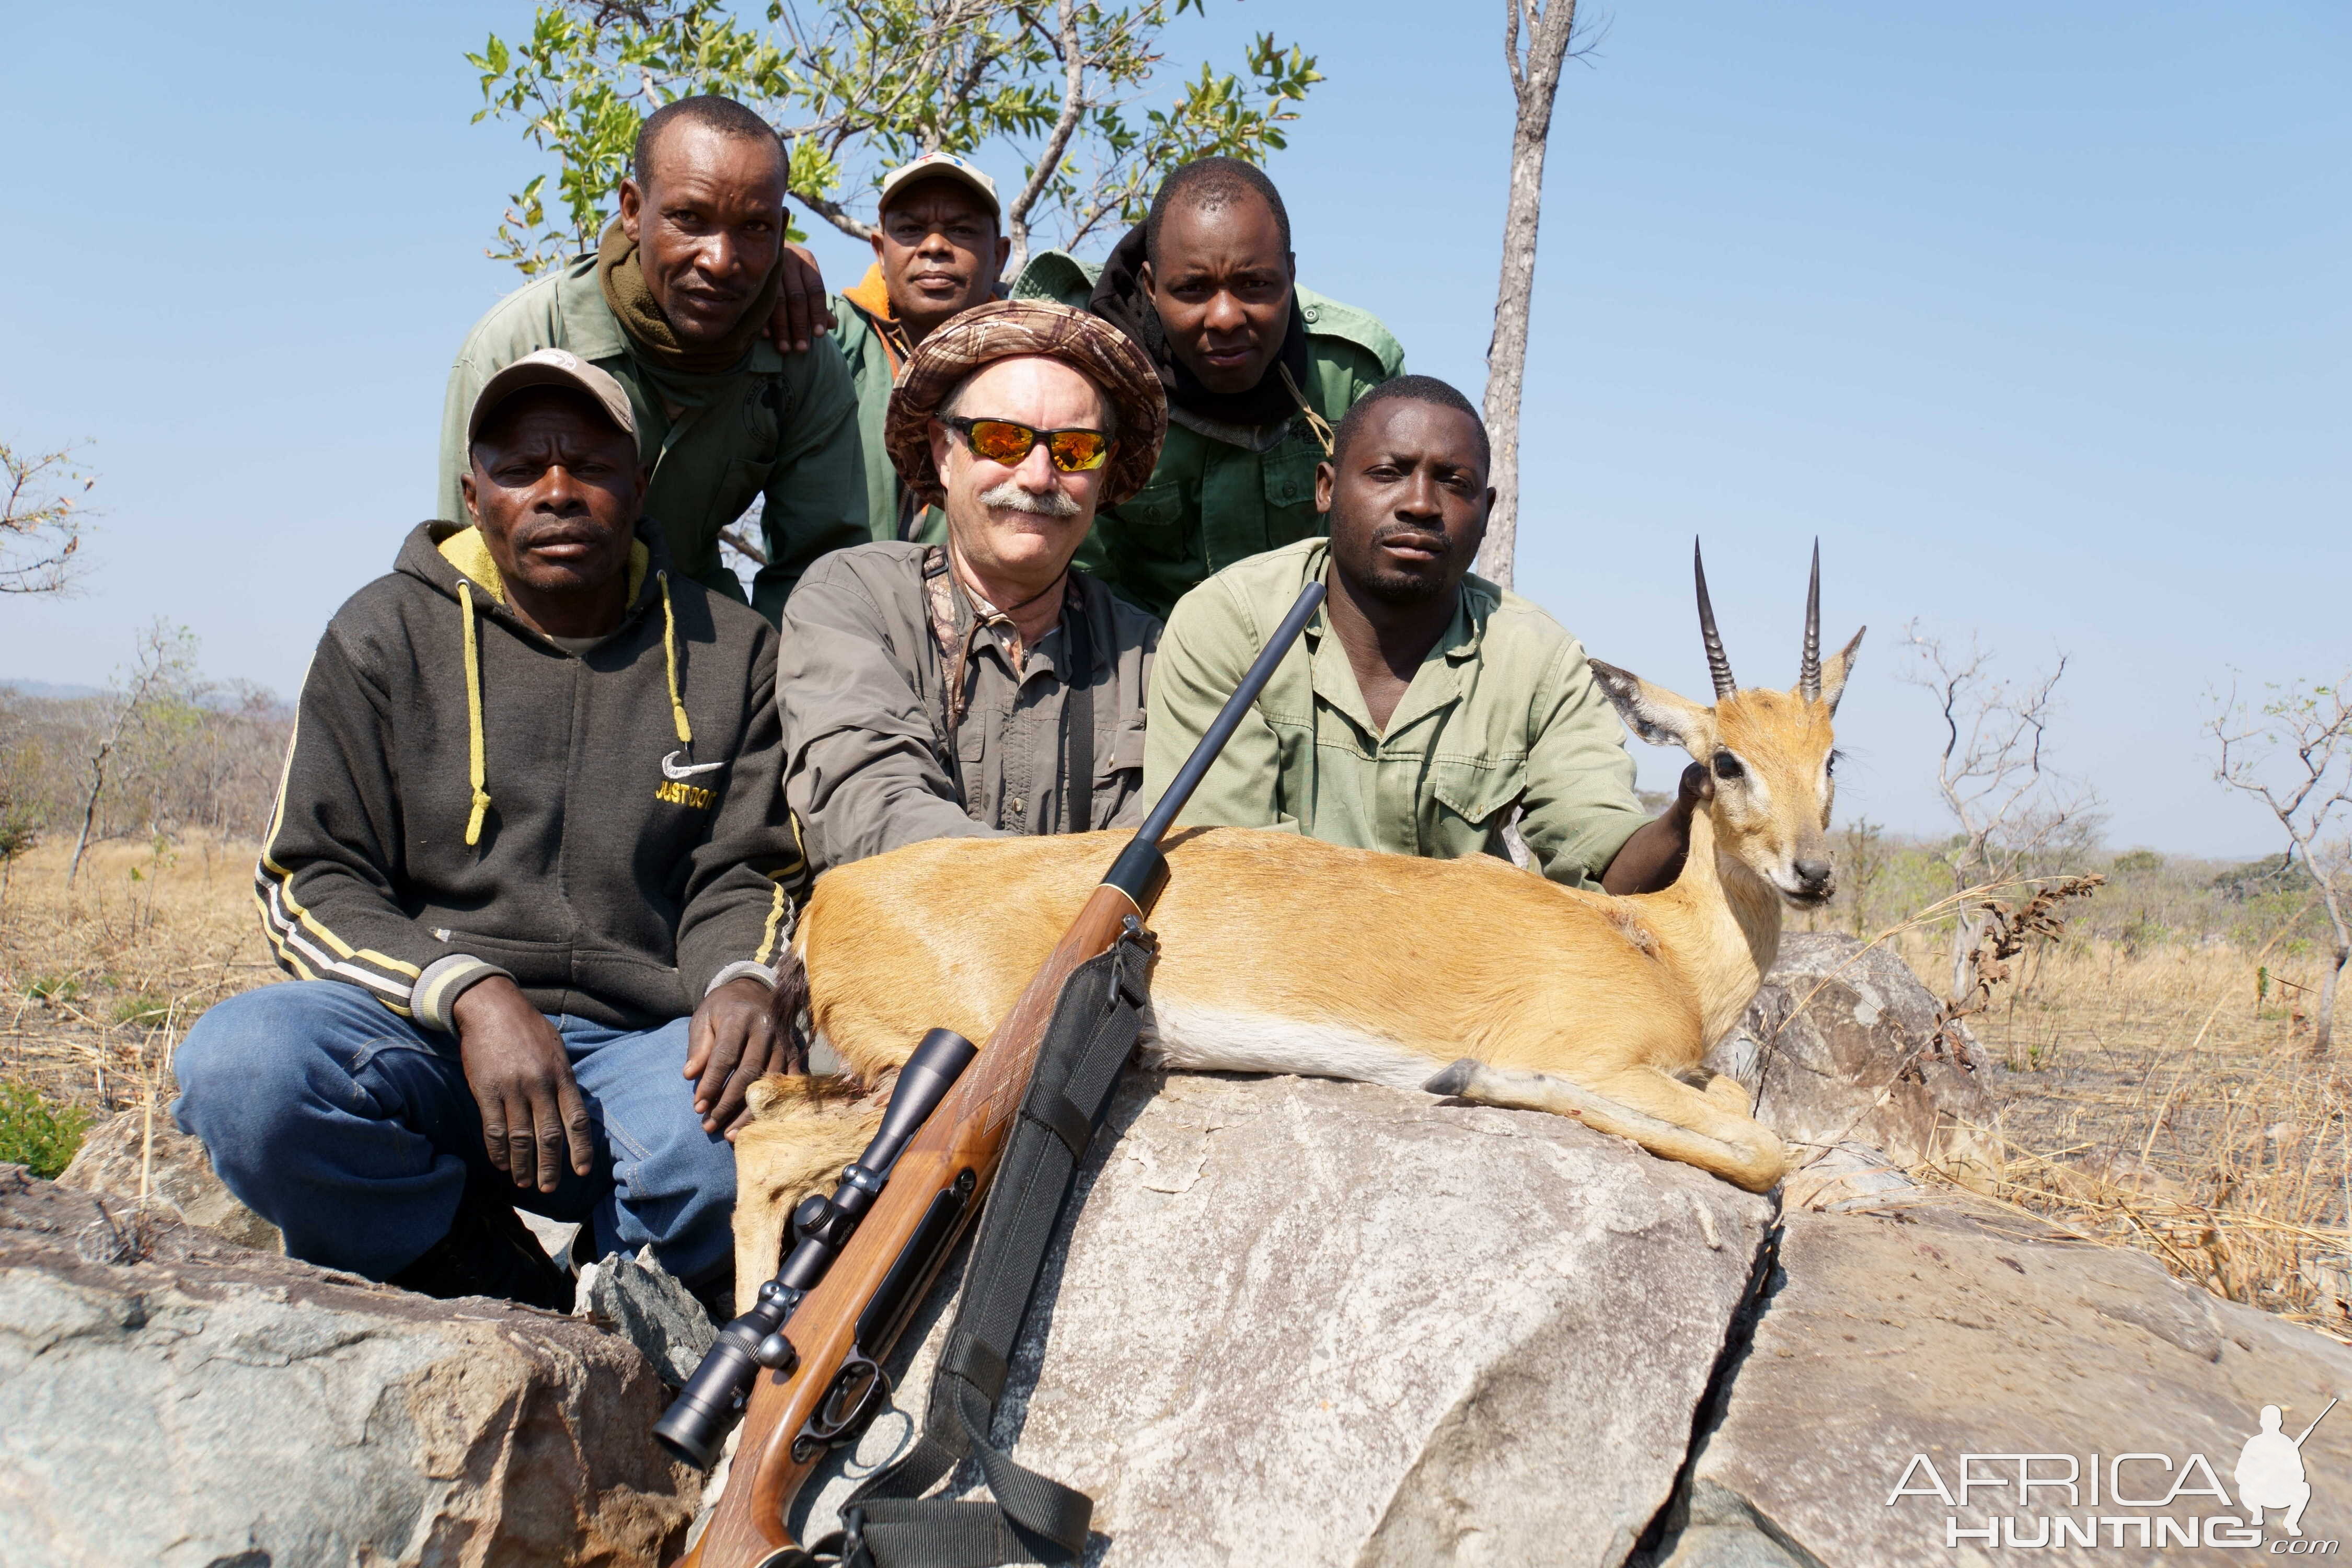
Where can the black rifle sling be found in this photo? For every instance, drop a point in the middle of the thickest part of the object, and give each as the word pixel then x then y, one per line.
pixel 1032 1519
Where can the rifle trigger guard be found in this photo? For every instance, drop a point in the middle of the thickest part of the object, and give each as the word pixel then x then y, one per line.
pixel 835 1428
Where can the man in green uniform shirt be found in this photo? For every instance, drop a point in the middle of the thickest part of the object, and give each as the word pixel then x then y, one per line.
pixel 939 249
pixel 676 305
pixel 1424 703
pixel 1257 370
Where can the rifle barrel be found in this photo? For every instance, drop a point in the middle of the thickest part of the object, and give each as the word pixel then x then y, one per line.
pixel 1140 871
pixel 952 1157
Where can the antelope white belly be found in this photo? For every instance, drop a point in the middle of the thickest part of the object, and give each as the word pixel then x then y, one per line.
pixel 1203 1040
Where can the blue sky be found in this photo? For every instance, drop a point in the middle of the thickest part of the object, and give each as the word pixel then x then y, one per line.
pixel 2037 317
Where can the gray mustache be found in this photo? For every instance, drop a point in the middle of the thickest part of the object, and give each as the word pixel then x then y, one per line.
pixel 1010 496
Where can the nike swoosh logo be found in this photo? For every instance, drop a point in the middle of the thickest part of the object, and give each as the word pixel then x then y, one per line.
pixel 672 770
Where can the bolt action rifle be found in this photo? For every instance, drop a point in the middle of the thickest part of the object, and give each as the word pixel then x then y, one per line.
pixel 813 1348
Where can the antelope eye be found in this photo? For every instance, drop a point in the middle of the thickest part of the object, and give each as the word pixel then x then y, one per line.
pixel 1829 762
pixel 1727 766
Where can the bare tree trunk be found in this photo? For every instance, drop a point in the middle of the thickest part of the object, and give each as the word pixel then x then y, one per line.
pixel 89 807
pixel 1058 142
pixel 1964 941
pixel 2323 1033
pixel 1535 79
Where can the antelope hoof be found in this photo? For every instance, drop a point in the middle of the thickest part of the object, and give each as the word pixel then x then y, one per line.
pixel 1453 1080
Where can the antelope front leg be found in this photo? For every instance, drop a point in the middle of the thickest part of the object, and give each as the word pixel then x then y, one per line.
pixel 1664 1115
pixel 803 1131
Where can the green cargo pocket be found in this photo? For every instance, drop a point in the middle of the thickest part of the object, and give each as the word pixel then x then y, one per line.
pixel 1477 794
pixel 1153 520
pixel 1289 471
pixel 1288 474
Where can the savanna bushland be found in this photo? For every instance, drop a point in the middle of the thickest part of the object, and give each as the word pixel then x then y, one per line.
pixel 2150 1032
pixel 2156 1026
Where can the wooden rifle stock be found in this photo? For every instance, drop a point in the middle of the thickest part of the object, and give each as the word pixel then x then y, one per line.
pixel 848 1322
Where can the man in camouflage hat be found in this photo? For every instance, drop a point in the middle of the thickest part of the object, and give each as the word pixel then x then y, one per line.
pixel 982 686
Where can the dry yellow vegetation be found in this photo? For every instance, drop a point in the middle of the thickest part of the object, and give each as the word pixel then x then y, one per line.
pixel 99 980
pixel 2151 1098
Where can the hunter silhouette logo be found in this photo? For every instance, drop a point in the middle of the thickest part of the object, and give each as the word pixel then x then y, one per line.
pixel 2270 1471
pixel 2148 1498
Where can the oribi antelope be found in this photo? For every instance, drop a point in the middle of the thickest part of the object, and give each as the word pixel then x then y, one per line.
pixel 1281 954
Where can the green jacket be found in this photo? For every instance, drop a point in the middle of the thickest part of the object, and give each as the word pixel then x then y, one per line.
pixel 1501 714
pixel 871 371
pixel 1211 502
pixel 778 429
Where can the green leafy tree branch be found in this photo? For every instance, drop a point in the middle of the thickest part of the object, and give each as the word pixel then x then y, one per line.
pixel 856 87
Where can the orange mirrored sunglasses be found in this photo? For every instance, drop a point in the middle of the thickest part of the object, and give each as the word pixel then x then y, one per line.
pixel 1002 441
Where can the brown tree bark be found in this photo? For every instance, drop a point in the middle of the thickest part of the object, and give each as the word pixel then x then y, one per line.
pixel 1548 26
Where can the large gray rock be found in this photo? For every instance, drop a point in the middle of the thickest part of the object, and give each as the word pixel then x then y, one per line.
pixel 1840 1045
pixel 1916 1339
pixel 1302 1323
pixel 172 1399
pixel 175 1173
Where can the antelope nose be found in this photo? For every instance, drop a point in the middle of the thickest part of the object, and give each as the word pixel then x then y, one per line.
pixel 1814 873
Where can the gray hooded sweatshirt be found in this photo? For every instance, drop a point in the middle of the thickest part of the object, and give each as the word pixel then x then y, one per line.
pixel 464 797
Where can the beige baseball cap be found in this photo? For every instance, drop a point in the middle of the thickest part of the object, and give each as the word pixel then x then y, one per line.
pixel 942 166
pixel 553 367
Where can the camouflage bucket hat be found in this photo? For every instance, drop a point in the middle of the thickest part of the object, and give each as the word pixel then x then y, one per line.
pixel 1013 328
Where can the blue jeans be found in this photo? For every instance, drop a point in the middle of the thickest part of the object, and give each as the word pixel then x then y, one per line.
pixel 352 1131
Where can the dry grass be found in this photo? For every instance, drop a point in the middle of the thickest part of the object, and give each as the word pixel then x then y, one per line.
pixel 2149 1101
pixel 97 984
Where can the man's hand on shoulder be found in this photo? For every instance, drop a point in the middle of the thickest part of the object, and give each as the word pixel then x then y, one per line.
pixel 732 1045
pixel 801 314
pixel 533 1114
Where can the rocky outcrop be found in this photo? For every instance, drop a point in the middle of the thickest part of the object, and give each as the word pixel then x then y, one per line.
pixel 1840 1046
pixel 174 1399
pixel 651 1308
pixel 1910 1352
pixel 117 1159
pixel 1299 1321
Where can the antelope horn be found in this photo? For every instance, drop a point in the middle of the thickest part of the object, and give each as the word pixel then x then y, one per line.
pixel 1808 673
pixel 1717 664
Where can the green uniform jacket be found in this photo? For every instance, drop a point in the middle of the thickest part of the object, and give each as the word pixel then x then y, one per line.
pixel 780 428
pixel 1211 503
pixel 1502 713
pixel 870 371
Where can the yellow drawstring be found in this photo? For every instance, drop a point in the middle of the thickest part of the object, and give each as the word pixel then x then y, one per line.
pixel 1314 422
pixel 473 715
pixel 669 652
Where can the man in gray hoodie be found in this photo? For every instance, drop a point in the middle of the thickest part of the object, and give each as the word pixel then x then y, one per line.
pixel 531 868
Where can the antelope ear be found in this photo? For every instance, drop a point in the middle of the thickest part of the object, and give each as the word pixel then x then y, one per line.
pixel 1836 669
pixel 1653 713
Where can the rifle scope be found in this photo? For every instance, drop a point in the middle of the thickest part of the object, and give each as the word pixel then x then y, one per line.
pixel 695 1424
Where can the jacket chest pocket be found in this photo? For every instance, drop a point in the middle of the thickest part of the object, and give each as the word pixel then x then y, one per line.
pixel 1473 802
pixel 1153 520
pixel 1289 480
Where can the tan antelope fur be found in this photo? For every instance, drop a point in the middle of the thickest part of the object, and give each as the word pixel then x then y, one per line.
pixel 1281 953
